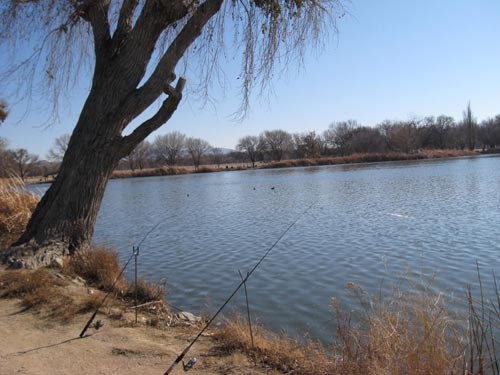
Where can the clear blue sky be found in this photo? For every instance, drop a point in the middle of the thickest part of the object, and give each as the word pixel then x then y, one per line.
pixel 392 59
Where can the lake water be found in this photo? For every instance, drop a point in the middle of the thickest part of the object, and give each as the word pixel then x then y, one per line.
pixel 376 225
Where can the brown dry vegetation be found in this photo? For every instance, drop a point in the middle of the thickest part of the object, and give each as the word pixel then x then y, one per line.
pixel 334 160
pixel 368 158
pixel 147 172
pixel 16 206
pixel 100 267
pixel 308 162
pixel 44 292
pixel 412 335
pixel 79 287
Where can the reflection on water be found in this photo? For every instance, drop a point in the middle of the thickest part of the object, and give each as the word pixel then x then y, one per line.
pixel 375 225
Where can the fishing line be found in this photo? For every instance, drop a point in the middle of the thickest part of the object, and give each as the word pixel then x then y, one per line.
pixel 243 281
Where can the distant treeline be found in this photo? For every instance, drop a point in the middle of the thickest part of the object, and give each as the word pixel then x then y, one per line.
pixel 339 140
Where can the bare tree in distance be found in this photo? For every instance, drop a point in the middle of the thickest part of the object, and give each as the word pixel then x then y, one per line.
pixel 489 132
pixel 250 145
pixel 56 153
pixel 133 48
pixel 366 140
pixel 401 136
pixel 140 155
pixel 169 147
pixel 196 148
pixel 338 134
pixel 307 145
pixel 23 161
pixel 217 156
pixel 277 143
pixel 469 123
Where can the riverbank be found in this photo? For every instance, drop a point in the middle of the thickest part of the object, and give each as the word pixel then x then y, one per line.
pixel 309 162
pixel 289 163
pixel 411 333
pixel 37 341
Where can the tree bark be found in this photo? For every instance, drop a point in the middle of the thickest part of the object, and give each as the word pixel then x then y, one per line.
pixel 64 219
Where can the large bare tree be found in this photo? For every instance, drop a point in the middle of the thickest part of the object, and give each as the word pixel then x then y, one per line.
pixel 135 48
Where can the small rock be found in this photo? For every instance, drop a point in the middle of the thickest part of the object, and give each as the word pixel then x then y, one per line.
pixel 57 262
pixel 15 264
pixel 188 317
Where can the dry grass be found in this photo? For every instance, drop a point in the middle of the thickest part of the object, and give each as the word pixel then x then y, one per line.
pixel 20 284
pixel 279 352
pixel 16 207
pixel 412 334
pixel 100 267
pixel 436 154
pixel 368 158
pixel 41 291
pixel 147 291
pixel 59 294
pixel 150 172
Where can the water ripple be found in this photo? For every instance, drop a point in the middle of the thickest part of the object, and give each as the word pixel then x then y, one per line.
pixel 374 225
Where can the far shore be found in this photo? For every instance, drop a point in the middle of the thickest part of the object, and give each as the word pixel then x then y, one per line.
pixel 289 163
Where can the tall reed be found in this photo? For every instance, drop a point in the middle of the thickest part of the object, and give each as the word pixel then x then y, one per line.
pixel 16 206
pixel 413 333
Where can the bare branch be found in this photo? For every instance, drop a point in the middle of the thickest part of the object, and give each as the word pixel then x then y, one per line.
pixel 162 116
pixel 124 25
pixel 140 42
pixel 143 97
pixel 96 12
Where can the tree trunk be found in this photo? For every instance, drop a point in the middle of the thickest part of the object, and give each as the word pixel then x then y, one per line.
pixel 64 219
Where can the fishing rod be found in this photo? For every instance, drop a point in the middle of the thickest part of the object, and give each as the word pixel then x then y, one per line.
pixel 135 253
pixel 192 361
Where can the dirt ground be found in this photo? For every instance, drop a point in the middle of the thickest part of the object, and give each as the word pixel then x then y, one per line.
pixel 31 344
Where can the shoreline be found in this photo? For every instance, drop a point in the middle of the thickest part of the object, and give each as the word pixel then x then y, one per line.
pixel 289 163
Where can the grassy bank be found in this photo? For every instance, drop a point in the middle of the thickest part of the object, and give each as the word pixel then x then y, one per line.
pixel 308 162
pixel 79 287
pixel 348 159
pixel 368 158
pixel 173 171
pixel 412 333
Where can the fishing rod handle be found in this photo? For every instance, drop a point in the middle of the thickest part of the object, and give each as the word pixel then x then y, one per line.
pixel 175 363
pixel 88 324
